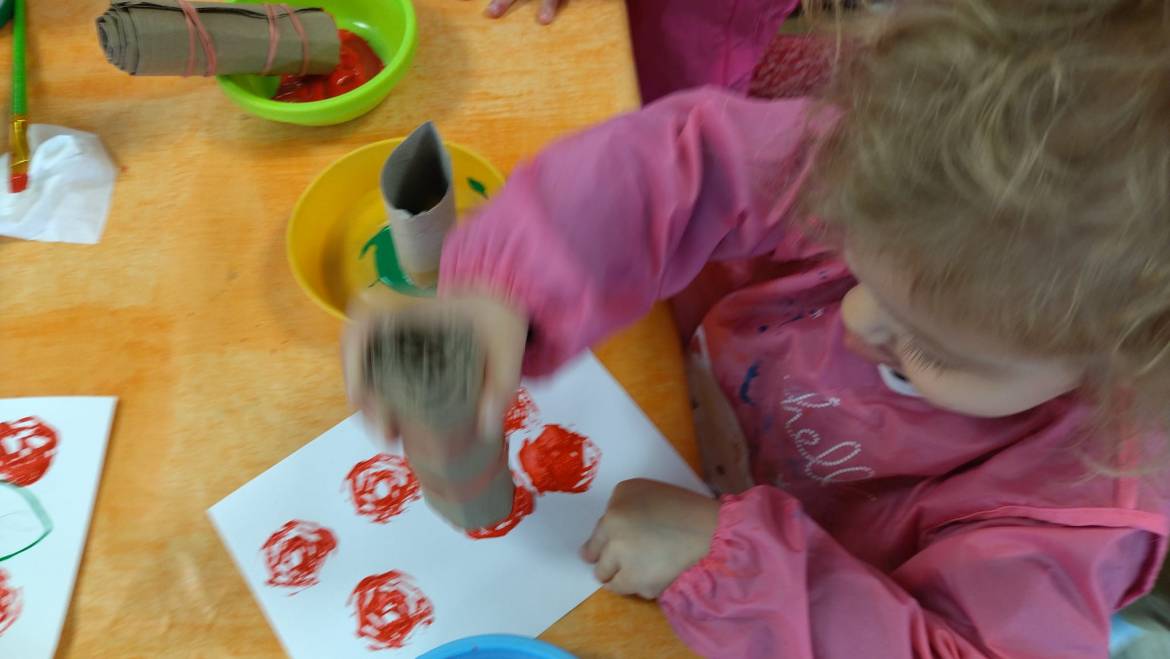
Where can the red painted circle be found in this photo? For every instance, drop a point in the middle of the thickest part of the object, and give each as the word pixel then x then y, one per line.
pixel 9 603
pixel 389 607
pixel 560 460
pixel 27 448
pixel 382 486
pixel 295 554
pixel 519 415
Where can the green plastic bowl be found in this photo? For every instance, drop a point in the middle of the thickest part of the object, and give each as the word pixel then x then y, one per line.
pixel 389 26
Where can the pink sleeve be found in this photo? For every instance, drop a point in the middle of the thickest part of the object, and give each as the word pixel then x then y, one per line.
pixel 595 230
pixel 775 584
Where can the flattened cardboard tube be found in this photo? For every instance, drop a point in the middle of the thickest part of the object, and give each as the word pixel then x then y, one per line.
pixel 155 38
pixel 420 202
pixel 428 371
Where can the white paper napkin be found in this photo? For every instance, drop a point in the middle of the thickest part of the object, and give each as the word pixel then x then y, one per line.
pixel 70 183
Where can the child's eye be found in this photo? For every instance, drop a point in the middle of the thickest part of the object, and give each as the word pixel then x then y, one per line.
pixel 919 357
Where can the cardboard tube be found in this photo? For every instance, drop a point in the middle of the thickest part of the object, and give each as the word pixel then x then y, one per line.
pixel 428 370
pixel 420 202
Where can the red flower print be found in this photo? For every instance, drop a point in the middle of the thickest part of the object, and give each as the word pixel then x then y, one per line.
pixel 295 554
pixel 389 607
pixel 560 460
pixel 382 486
pixel 27 448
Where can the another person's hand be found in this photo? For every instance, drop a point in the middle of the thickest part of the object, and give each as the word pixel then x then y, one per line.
pixel 650 534
pixel 502 333
pixel 548 9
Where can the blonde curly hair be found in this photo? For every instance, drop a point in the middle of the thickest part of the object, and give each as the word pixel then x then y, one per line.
pixel 1014 156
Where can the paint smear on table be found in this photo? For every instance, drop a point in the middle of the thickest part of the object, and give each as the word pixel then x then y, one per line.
pixel 389 607
pixel 296 552
pixel 402 580
pixel 381 486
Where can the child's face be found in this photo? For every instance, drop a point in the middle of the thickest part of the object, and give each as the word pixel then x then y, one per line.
pixel 951 366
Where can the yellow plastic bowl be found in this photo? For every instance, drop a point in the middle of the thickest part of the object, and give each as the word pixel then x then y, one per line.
pixel 342 210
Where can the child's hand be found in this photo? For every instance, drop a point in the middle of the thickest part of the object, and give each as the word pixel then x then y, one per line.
pixel 651 533
pixel 501 331
pixel 548 9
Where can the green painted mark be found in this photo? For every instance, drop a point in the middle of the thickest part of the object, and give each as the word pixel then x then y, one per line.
pixel 35 515
pixel 386 263
pixel 477 187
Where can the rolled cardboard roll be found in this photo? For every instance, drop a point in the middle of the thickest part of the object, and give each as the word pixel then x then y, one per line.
pixel 180 38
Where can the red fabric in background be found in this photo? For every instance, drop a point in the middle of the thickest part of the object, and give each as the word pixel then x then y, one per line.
pixel 793 65
pixel 681 44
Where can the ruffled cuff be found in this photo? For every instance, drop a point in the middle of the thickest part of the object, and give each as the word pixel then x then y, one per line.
pixel 758 532
pixel 699 581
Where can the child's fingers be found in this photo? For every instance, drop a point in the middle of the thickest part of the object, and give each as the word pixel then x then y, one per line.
pixel 548 11
pixel 498 8
pixel 591 551
pixel 621 584
pixel 606 568
pixel 378 422
pixel 492 407
pixel 353 340
pixel 379 425
pixel 504 343
pixel 385 426
pixel 626 582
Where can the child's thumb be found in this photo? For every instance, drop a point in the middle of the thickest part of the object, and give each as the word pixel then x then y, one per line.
pixel 492 407
pixel 504 347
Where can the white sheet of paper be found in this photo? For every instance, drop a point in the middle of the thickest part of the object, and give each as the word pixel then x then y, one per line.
pixel 519 583
pixel 38 581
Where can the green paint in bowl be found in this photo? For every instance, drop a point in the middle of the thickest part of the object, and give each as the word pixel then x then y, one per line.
pixel 389 26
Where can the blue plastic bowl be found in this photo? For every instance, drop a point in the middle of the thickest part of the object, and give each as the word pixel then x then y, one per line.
pixel 497 646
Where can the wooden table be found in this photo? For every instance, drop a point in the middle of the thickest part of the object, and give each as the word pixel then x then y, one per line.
pixel 188 313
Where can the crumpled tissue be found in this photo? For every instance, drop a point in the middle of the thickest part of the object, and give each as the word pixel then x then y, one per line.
pixel 70 183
